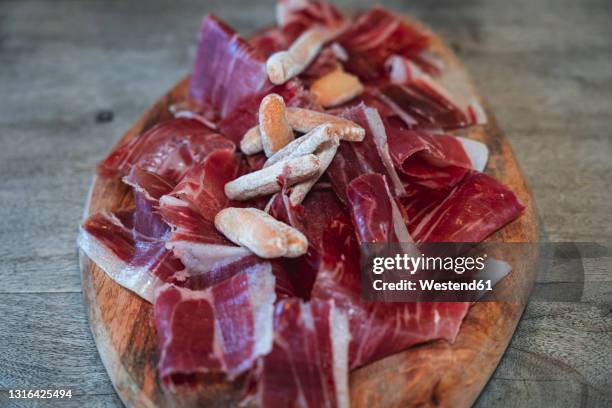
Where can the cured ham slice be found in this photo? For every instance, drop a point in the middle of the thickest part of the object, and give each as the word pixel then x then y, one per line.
pixel 422 104
pixel 376 35
pixel 311 218
pixel 378 329
pixel 434 160
pixel 190 209
pixel 374 211
pixel 227 69
pixel 168 149
pixel 223 329
pixel 229 80
pixel 130 247
pixel 369 156
pixel 308 364
pixel 469 212
pixel 152 186
pixel 269 41
pixel 294 17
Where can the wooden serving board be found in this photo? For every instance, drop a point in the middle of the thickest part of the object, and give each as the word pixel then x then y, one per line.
pixel 435 373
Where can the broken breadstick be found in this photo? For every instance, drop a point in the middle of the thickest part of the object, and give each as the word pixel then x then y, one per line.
pixel 325 153
pixel 336 88
pixel 284 65
pixel 302 146
pixel 305 120
pixel 273 125
pixel 265 181
pixel 251 141
pixel 260 233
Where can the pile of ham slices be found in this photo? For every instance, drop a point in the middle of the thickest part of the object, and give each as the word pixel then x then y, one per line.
pixel 353 106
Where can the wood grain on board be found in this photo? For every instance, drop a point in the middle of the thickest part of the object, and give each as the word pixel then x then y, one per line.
pixel 436 373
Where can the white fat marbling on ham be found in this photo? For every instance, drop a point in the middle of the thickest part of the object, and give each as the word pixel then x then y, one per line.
pixel 222 329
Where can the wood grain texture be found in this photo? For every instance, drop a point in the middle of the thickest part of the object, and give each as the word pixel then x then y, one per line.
pixel 427 375
pixel 543 65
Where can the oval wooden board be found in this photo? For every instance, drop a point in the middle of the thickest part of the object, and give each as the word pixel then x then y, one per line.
pixel 435 373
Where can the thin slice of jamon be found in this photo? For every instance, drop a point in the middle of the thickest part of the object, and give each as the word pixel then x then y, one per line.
pixel 130 246
pixel 190 210
pixel 311 218
pixel 423 104
pixel 374 36
pixel 229 80
pixel 269 41
pixel 378 329
pixel 227 69
pixel 198 280
pixel 152 186
pixel 374 212
pixel 433 160
pixel 401 70
pixel 308 364
pixel 296 16
pixel 469 212
pixel 168 149
pixel 220 330
pixel 369 156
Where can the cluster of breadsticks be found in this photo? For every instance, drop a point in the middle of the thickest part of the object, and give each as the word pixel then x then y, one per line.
pixel 298 162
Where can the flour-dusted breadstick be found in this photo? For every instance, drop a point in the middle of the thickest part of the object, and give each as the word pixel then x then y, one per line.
pixel 284 65
pixel 260 232
pixel 273 124
pixel 325 153
pixel 302 146
pixel 336 88
pixel 251 141
pixel 305 120
pixel 265 181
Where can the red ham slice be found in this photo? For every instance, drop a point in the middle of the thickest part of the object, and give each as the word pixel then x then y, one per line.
pixel 223 329
pixel 374 211
pixel 294 17
pixel 376 35
pixel 311 218
pixel 227 69
pixel 269 41
pixel 469 212
pixel 378 329
pixel 229 80
pixel 152 186
pixel 130 246
pixel 307 366
pixel 434 160
pixel 191 208
pixel 423 104
pixel 168 149
pixel 369 156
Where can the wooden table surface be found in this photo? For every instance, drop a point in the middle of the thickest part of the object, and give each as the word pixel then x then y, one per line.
pixel 67 67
